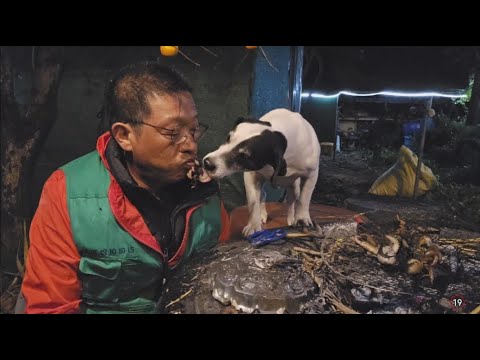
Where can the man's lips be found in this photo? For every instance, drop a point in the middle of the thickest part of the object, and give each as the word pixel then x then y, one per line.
pixel 190 162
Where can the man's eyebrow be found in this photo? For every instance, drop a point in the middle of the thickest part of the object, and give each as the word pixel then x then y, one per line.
pixel 189 122
pixel 176 121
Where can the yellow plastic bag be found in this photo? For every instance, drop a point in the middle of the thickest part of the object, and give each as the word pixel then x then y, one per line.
pixel 399 180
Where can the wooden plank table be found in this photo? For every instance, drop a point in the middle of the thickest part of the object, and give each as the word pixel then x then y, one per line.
pixel 277 216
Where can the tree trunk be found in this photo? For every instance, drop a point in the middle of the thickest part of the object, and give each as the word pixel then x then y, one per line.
pixel 474 105
pixel 23 133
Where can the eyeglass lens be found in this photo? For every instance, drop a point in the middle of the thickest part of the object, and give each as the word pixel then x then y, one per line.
pixel 180 135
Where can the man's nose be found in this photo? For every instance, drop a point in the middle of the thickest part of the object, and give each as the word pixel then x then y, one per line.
pixel 189 145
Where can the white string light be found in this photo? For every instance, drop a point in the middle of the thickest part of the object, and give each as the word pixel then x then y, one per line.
pixel 385 93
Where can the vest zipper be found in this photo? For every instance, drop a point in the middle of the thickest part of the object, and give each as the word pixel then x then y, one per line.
pixel 182 207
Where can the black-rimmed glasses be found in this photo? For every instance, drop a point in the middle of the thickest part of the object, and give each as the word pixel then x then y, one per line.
pixel 180 133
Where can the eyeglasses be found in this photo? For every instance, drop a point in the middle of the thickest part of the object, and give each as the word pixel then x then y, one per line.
pixel 179 134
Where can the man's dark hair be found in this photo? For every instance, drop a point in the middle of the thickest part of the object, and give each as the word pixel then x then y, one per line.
pixel 126 95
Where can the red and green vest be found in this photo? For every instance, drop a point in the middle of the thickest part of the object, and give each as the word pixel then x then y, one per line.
pixel 119 274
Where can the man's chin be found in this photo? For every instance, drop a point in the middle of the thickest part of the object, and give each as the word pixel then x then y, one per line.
pixel 176 178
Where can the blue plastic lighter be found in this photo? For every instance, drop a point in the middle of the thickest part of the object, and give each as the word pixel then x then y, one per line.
pixel 267 236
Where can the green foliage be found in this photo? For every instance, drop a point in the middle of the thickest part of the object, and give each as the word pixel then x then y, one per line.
pixel 446 131
pixel 463 101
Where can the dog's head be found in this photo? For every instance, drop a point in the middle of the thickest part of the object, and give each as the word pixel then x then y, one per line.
pixel 250 146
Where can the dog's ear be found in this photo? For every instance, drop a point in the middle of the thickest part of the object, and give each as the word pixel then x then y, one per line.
pixel 278 144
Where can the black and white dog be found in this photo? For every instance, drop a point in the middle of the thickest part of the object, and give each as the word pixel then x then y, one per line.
pixel 281 147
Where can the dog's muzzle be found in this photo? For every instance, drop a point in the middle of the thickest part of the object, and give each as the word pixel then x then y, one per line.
pixel 214 165
pixel 208 164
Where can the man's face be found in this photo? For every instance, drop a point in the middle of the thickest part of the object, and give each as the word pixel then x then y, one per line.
pixel 154 155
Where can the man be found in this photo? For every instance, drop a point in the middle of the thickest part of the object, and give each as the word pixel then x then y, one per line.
pixel 110 224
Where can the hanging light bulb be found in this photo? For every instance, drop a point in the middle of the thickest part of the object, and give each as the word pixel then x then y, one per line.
pixel 169 50
pixel 251 47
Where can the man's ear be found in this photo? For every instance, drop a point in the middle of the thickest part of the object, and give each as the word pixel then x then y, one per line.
pixel 278 144
pixel 123 133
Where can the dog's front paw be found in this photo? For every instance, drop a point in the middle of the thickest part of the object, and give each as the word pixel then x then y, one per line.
pixel 264 214
pixel 290 217
pixel 303 221
pixel 251 228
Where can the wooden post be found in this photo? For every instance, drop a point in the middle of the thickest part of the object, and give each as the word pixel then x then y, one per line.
pixel 428 105
pixel 337 121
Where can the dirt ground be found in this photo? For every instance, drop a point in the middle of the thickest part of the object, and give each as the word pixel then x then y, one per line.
pixel 351 174
pixel 445 221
